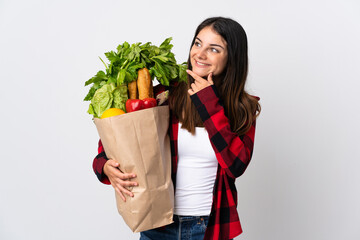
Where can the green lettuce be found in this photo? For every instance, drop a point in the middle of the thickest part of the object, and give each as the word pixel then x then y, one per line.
pixel 102 100
pixel 108 96
pixel 120 96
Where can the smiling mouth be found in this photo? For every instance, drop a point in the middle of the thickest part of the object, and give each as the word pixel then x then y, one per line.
pixel 201 64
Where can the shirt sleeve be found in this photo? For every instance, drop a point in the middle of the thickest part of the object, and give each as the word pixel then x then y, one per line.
pixel 233 152
pixel 98 164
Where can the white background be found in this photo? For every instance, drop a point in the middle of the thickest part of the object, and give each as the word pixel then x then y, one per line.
pixel 303 181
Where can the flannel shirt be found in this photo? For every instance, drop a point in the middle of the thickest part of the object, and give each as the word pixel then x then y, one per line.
pixel 233 153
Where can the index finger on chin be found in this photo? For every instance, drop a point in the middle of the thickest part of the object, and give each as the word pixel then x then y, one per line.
pixel 194 75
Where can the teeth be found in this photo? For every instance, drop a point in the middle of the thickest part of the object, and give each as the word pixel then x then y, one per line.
pixel 202 64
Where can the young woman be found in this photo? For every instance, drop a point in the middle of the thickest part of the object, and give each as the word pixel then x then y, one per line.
pixel 212 134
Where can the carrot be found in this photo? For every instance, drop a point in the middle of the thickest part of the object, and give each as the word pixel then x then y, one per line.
pixel 132 88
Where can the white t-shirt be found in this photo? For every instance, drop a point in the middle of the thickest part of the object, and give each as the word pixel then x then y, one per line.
pixel 196 173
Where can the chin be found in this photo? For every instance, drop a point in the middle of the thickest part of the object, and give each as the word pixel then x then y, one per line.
pixel 201 73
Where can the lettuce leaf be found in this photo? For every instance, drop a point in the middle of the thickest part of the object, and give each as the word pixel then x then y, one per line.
pixel 120 96
pixel 102 100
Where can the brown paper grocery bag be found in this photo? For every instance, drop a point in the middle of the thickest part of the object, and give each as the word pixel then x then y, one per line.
pixel 140 143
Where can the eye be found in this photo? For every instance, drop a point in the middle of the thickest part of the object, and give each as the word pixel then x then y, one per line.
pixel 214 50
pixel 197 44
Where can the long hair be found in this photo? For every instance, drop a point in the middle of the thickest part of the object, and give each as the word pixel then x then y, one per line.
pixel 240 108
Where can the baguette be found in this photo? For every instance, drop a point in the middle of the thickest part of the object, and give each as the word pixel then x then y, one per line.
pixel 144 84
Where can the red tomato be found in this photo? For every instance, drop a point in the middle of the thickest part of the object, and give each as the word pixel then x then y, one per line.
pixel 149 102
pixel 134 105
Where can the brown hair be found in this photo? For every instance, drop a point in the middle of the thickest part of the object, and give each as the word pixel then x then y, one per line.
pixel 240 107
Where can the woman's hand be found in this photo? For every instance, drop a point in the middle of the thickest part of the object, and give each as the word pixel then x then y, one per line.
pixel 200 83
pixel 119 180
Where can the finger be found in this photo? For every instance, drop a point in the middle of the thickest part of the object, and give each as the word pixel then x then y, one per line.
pixel 195 76
pixel 193 86
pixel 113 163
pixel 128 184
pixel 125 176
pixel 126 191
pixel 123 182
pixel 118 190
pixel 191 92
pixel 119 186
pixel 210 80
pixel 120 194
pixel 121 190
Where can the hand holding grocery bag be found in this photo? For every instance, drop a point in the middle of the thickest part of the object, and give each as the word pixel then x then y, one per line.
pixel 120 181
pixel 134 131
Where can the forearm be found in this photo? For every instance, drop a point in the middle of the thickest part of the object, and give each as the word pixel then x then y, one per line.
pixel 98 164
pixel 233 152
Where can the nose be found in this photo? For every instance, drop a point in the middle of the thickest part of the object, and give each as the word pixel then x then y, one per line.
pixel 201 54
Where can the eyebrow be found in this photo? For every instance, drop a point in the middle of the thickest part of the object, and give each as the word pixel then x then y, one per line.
pixel 215 45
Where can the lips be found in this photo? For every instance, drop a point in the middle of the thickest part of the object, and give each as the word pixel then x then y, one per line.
pixel 201 68
pixel 201 64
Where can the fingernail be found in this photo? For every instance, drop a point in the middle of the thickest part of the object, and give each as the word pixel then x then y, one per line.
pixel 187 70
pixel 133 175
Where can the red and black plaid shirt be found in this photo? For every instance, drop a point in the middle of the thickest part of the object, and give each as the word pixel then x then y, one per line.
pixel 233 153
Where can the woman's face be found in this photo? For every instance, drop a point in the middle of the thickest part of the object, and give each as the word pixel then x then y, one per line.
pixel 209 53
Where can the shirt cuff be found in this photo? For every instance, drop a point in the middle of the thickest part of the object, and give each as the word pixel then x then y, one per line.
pixel 99 168
pixel 205 100
pixel 206 94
